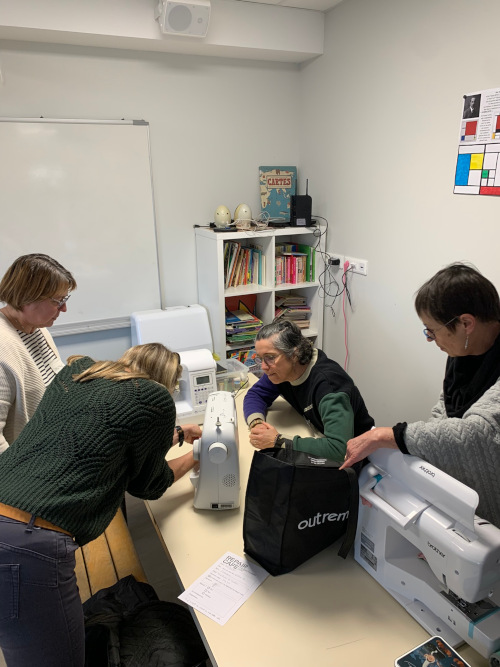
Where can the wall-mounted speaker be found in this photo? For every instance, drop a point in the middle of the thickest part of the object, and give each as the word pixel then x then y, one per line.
pixel 184 18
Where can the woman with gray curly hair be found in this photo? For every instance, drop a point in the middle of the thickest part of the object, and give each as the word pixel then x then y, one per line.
pixel 316 386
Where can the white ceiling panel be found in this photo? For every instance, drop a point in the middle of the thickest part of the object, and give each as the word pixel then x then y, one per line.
pixel 318 5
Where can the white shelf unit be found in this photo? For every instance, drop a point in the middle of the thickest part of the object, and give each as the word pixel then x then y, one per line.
pixel 212 292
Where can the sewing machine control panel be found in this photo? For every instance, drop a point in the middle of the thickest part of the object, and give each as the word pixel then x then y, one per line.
pixel 202 385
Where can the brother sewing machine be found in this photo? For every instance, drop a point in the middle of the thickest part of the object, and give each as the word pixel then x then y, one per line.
pixel 217 482
pixel 421 540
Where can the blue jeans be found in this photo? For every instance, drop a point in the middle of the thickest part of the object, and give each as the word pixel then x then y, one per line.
pixel 41 615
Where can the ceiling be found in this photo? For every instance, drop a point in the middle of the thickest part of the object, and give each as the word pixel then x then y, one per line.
pixel 318 5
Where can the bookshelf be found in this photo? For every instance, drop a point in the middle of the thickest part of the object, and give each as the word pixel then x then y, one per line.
pixel 213 293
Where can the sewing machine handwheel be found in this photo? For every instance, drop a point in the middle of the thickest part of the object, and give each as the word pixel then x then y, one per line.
pixel 197 449
pixel 495 659
pixel 217 452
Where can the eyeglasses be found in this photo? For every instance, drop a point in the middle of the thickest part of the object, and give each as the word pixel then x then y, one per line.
pixel 270 359
pixel 430 334
pixel 60 303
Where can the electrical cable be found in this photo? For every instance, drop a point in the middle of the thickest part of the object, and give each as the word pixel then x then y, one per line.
pixel 329 288
pixel 345 293
pixel 243 386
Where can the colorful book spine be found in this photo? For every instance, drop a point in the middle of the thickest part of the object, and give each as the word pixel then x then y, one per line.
pixel 310 253
pixel 279 271
pixel 233 252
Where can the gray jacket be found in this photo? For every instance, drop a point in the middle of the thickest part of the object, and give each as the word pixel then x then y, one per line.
pixel 467 448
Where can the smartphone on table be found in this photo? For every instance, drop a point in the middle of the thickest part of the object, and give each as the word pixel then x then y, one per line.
pixel 434 652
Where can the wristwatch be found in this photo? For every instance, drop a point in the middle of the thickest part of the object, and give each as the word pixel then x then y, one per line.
pixel 180 433
pixel 254 422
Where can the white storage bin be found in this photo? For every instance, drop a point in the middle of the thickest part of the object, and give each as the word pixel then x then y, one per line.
pixel 233 377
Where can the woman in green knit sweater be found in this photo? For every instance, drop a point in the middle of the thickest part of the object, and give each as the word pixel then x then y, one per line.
pixel 101 428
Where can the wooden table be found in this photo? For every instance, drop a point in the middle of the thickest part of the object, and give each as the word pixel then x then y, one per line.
pixel 327 613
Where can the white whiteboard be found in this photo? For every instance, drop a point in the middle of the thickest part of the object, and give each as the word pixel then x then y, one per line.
pixel 81 192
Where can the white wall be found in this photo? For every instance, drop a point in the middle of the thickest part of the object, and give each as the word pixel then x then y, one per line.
pixel 379 135
pixel 213 121
pixel 382 175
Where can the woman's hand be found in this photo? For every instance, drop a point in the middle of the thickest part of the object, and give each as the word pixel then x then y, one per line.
pixel 181 465
pixel 191 432
pixel 263 436
pixel 360 447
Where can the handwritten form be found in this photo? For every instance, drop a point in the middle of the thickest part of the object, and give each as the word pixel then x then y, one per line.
pixel 223 588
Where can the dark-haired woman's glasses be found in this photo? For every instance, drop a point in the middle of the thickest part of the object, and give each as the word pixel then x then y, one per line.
pixel 60 303
pixel 430 334
pixel 269 359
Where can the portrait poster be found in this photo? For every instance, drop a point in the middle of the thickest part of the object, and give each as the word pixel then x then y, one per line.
pixel 478 162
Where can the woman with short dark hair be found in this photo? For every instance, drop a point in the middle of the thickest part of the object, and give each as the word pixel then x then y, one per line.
pixel 317 387
pixel 460 310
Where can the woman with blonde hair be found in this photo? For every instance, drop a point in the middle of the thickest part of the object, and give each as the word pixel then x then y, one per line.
pixel 101 428
pixel 35 290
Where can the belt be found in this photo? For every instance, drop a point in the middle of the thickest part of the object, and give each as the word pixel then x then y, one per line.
pixel 25 517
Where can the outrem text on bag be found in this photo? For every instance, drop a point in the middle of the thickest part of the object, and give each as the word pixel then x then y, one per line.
pixel 319 518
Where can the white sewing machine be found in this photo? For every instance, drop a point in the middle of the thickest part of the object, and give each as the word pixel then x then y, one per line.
pixel 186 330
pixel 421 540
pixel 217 482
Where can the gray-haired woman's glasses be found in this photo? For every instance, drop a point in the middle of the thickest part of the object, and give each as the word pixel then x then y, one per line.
pixel 430 334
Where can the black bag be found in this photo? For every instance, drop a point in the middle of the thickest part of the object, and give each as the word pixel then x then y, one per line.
pixel 296 505
pixel 126 625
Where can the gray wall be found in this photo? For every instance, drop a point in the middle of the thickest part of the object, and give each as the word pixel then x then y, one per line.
pixel 379 135
pixel 213 121
pixel 373 124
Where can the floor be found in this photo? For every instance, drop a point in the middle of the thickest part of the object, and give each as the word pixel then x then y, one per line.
pixel 155 561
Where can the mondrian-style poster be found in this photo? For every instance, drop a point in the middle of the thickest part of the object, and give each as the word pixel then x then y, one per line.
pixel 478 162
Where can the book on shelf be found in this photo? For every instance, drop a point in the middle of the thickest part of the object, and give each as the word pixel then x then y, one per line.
pixel 259 257
pixel 290 300
pixel 278 270
pixel 246 302
pixel 293 307
pixel 256 267
pixel 241 317
pixel 291 268
pixel 282 248
pixel 243 265
pixel 241 323
pixel 299 263
pixel 310 270
pixel 293 313
pixel 301 268
pixel 302 324
pixel 277 185
pixel 290 314
pixel 233 250
pixel 237 272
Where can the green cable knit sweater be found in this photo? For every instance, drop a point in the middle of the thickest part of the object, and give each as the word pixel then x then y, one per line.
pixel 86 444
